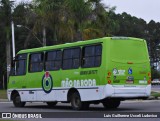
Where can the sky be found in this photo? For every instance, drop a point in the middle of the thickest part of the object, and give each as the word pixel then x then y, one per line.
pixel 145 9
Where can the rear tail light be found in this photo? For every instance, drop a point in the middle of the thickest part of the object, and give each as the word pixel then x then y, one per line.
pixel 129 62
pixel 109 81
pixel 149 75
pixel 108 75
pixel 149 81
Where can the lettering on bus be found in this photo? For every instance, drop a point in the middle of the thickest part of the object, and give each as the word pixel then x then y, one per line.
pixel 88 72
pixel 78 83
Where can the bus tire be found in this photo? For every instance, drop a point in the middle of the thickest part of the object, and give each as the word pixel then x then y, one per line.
pixel 17 101
pixel 111 103
pixel 76 102
pixel 51 104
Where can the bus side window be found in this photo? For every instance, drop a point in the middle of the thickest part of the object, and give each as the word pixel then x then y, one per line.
pixel 76 58
pixel 71 58
pixel 67 59
pixel 19 65
pixel 91 56
pixel 98 55
pixel 88 56
pixel 36 62
pixel 53 60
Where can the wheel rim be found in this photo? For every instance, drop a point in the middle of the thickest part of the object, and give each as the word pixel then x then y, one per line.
pixel 17 99
pixel 77 102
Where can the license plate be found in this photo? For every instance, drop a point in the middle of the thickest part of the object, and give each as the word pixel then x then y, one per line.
pixel 129 81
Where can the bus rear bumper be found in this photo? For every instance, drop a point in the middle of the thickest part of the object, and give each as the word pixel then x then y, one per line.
pixel 127 91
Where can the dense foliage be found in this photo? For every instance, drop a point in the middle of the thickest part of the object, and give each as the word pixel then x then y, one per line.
pixel 61 21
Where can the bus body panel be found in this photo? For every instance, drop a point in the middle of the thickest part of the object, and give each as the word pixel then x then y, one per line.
pixel 129 67
pixel 130 59
pixel 91 83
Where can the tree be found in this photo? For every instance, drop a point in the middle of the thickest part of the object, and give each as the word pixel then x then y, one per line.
pixel 154 34
pixel 6 16
pixel 155 74
pixel 80 11
pixel 103 21
pixel 55 10
pixel 89 17
pixel 25 17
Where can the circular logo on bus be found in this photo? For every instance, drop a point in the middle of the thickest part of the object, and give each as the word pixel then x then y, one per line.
pixel 47 82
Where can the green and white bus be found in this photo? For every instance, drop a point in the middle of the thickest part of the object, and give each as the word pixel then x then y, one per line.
pixel 105 70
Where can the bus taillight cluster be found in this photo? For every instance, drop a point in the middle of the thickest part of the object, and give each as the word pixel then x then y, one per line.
pixel 108 76
pixel 149 75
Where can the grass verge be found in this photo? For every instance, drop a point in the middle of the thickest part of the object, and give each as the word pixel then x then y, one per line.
pixel 3 94
pixel 155 94
pixel 6 120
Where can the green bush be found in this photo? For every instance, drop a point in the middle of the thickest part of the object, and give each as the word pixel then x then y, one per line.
pixel 3 94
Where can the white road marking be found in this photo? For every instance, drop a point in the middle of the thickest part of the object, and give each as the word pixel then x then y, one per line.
pixel 6 102
pixel 140 101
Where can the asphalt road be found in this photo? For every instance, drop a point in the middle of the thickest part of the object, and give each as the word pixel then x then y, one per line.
pixel 136 106
pixel 132 106
pixel 126 106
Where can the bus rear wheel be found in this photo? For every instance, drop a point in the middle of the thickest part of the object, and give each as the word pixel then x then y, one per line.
pixel 17 101
pixel 111 103
pixel 51 104
pixel 76 102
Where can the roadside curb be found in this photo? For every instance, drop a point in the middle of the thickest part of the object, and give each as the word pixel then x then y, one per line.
pixel 153 98
pixel 3 100
pixel 141 101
